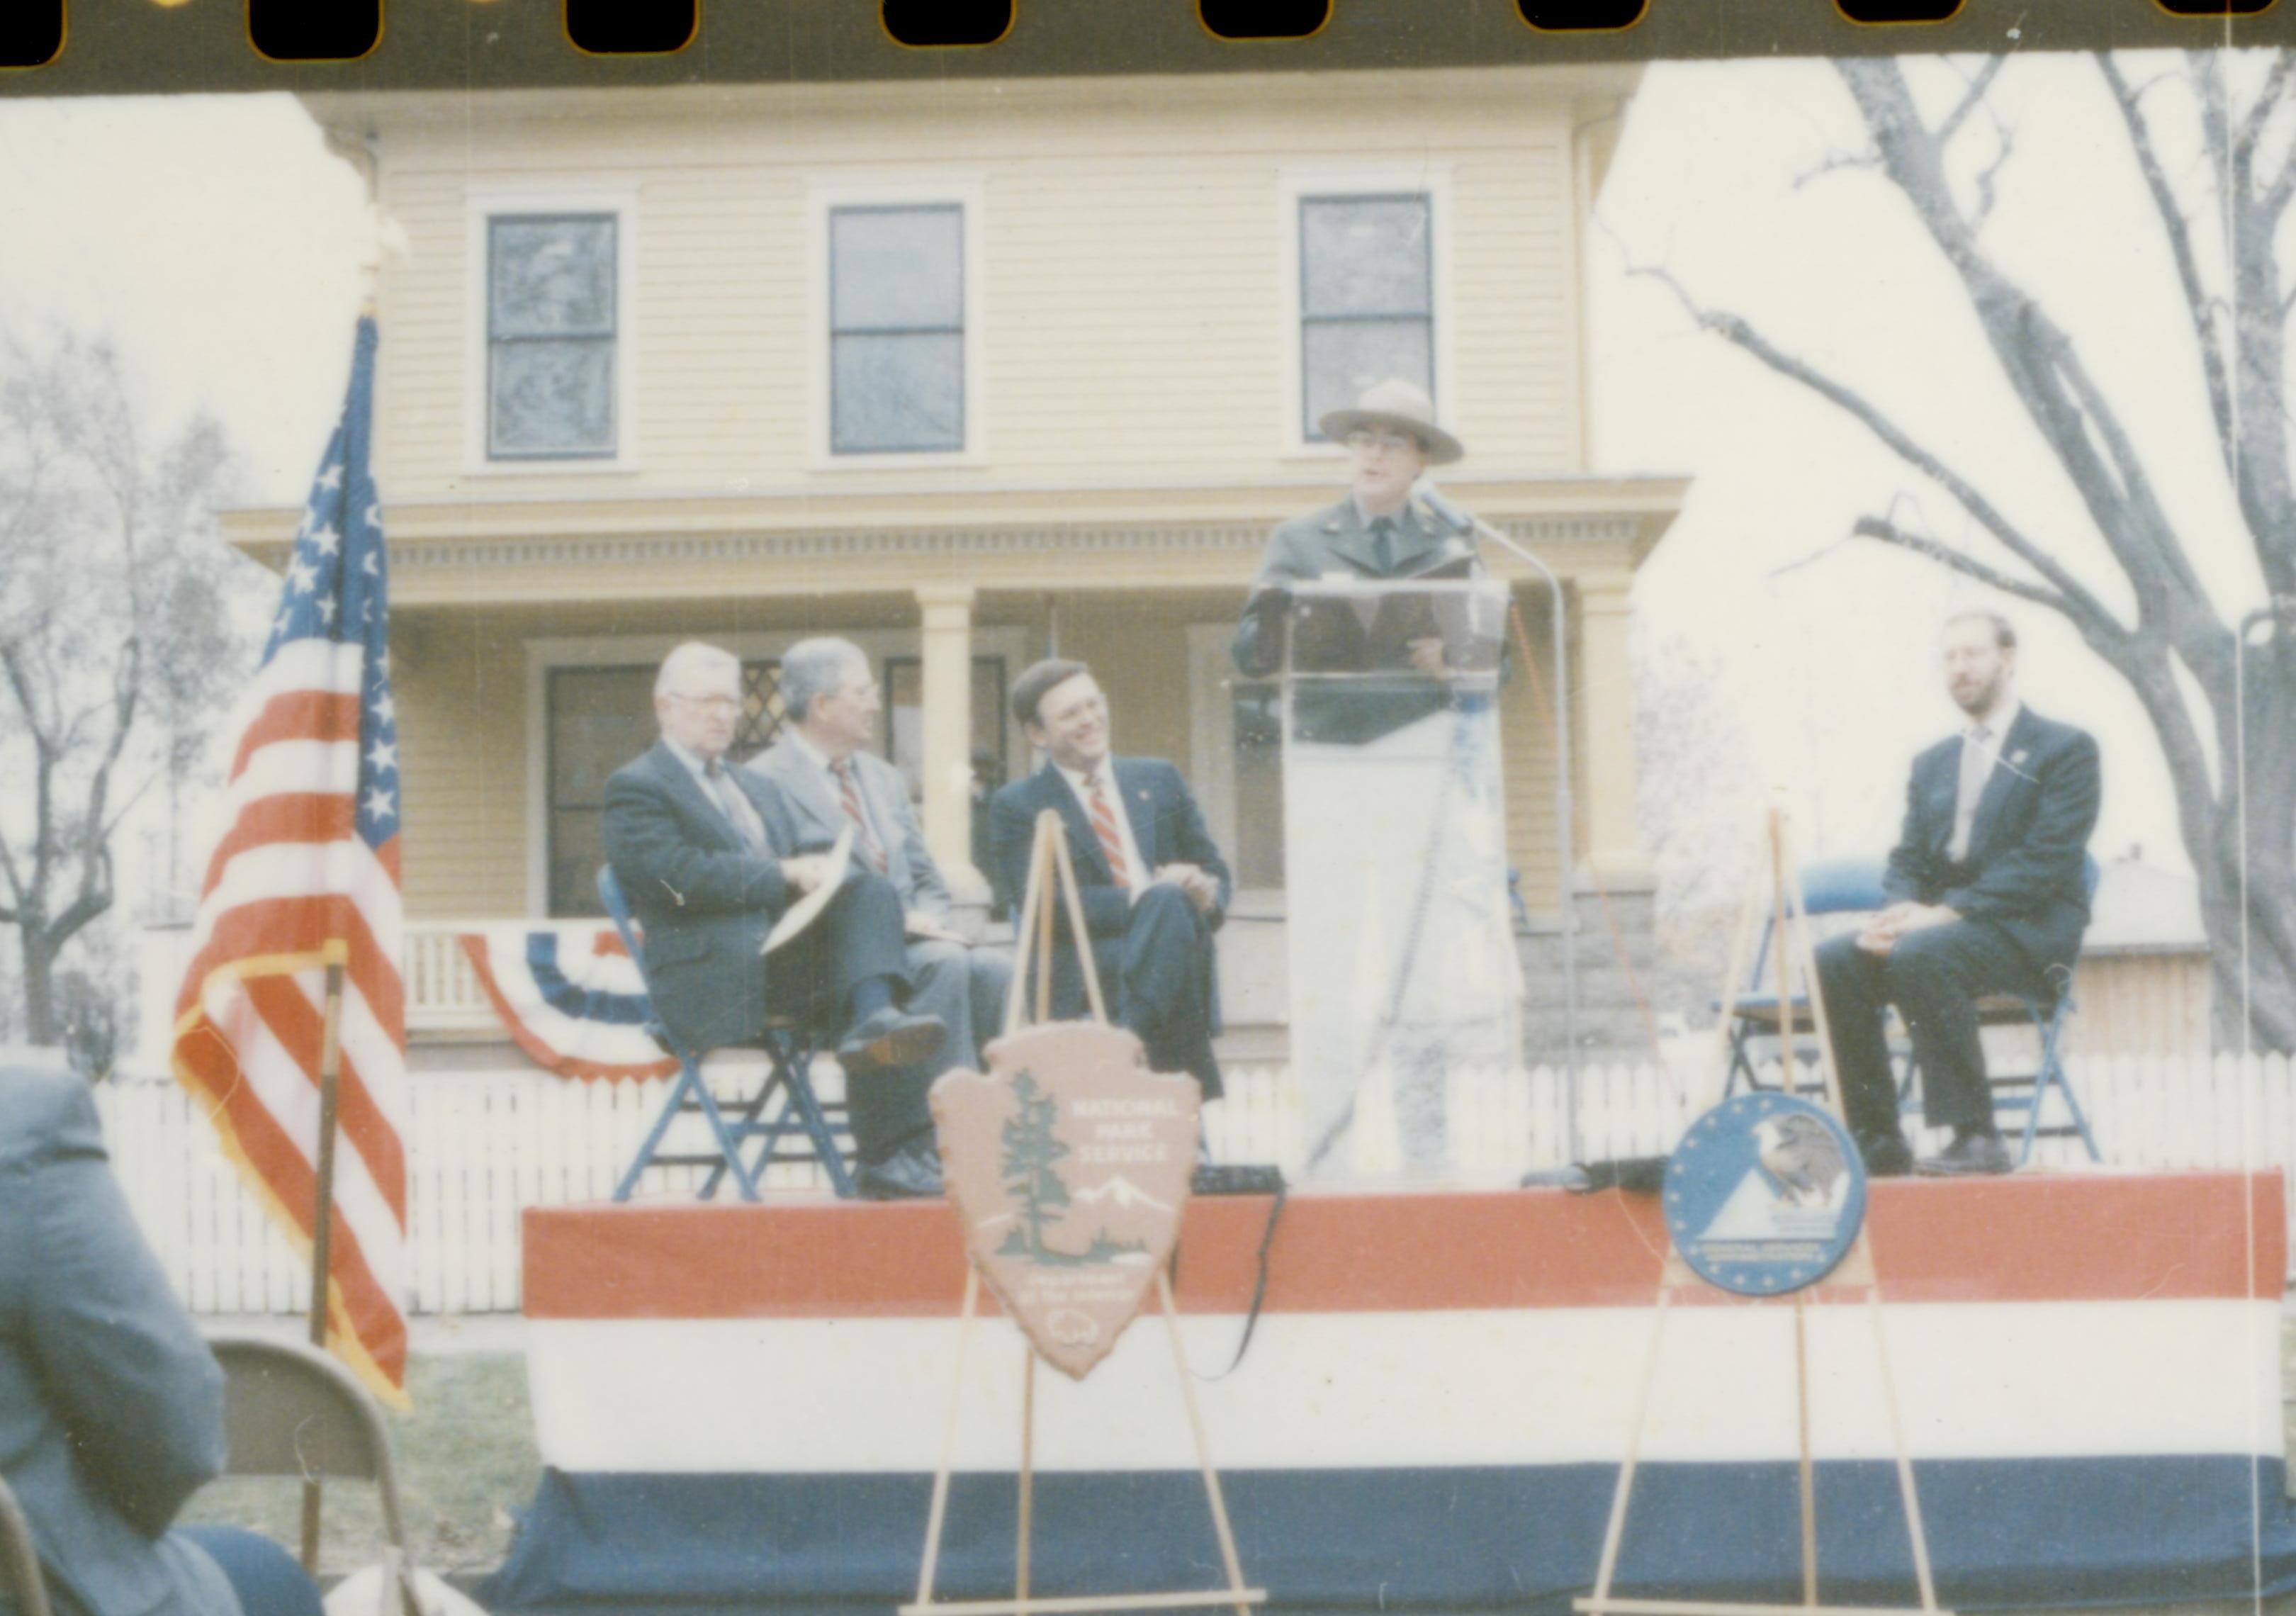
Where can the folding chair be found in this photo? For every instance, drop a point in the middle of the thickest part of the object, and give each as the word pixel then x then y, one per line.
pixel 797 1129
pixel 1838 886
pixel 2023 1094
pixel 290 1409
pixel 22 1588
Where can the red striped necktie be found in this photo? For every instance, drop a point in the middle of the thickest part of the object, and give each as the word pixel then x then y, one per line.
pixel 1104 826
pixel 850 790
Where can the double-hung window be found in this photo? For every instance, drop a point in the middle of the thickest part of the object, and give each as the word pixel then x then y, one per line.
pixel 897 319
pixel 551 331
pixel 1367 297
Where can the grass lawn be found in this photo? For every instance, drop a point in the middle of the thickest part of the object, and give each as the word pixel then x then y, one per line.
pixel 466 1459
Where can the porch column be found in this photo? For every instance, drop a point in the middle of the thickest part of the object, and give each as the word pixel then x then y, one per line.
pixel 945 657
pixel 1609 844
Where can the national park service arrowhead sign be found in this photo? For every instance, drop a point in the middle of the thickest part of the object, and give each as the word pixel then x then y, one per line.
pixel 1068 1166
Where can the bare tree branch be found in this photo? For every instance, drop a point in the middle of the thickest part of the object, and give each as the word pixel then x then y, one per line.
pixel 2197 304
pixel 2039 359
pixel 2268 101
pixel 1973 98
pixel 1959 560
pixel 1741 333
pixel 1987 178
pixel 1835 162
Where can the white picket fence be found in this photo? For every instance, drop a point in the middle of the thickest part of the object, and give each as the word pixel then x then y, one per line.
pixel 486 1146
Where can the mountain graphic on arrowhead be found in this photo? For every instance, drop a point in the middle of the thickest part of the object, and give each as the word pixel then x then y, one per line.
pixel 1124 1193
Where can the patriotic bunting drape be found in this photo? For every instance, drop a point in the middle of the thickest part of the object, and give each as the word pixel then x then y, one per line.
pixel 307 873
pixel 571 997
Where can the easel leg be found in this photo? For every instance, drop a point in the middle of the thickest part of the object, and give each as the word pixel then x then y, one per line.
pixel 1028 1469
pixel 938 1513
pixel 1913 1528
pixel 1807 1478
pixel 1734 986
pixel 1617 1529
pixel 1228 1557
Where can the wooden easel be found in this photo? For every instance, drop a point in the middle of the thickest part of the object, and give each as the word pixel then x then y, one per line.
pixel 1855 1272
pixel 1049 866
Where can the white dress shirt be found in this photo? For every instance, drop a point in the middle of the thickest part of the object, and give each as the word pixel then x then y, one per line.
pixel 1136 868
pixel 1975 772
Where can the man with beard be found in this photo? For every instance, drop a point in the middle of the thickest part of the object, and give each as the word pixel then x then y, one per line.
pixel 1988 894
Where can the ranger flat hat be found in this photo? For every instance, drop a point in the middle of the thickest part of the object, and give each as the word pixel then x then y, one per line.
pixel 1402 405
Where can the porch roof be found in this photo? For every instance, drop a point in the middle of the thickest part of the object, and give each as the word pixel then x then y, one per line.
pixel 532 547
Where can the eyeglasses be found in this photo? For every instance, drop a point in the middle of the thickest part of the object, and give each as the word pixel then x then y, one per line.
pixel 1370 438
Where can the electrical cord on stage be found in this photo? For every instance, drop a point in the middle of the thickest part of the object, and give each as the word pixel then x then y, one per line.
pixel 1258 1288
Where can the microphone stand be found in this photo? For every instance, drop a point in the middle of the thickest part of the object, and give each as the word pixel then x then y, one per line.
pixel 1445 510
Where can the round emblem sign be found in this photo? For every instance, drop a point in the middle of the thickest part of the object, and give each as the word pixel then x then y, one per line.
pixel 1765 1194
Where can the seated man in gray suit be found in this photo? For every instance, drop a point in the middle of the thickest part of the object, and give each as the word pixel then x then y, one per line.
pixel 111 1404
pixel 686 836
pixel 821 778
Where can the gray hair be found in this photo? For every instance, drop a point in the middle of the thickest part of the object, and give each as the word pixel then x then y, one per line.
pixel 681 665
pixel 815 667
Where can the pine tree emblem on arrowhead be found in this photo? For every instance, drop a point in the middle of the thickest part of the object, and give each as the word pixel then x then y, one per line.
pixel 1068 1164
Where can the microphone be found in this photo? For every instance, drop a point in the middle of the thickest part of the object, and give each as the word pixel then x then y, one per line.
pixel 1448 513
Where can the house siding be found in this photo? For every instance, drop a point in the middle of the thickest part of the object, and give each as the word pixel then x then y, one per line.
pixel 1133 314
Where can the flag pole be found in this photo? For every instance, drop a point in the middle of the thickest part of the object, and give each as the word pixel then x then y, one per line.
pixel 331 1055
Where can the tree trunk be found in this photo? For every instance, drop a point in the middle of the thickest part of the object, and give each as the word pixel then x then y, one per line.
pixel 38 957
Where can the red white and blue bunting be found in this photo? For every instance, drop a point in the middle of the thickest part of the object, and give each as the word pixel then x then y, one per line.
pixel 570 996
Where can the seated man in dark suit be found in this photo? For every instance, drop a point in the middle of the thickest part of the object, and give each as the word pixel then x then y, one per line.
pixel 111 1404
pixel 1988 895
pixel 1155 887
pixel 687 837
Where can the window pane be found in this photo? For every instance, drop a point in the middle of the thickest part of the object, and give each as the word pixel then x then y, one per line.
pixel 895 268
pixel 577 847
pixel 894 393
pixel 599 719
pixel 553 397
pixel 761 711
pixel 553 276
pixel 1365 256
pixel 1346 357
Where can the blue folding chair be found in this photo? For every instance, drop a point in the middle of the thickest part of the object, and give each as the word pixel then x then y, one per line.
pixel 1837 886
pixel 2023 1094
pixel 800 1128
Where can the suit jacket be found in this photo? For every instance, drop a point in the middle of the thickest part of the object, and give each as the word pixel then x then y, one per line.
pixel 2028 845
pixel 706 900
pixel 803 815
pixel 1166 826
pixel 111 1404
pixel 1337 539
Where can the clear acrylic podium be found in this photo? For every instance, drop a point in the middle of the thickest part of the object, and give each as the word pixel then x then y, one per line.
pixel 1403 966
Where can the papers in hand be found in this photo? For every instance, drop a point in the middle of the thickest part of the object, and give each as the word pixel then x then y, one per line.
pixel 799 914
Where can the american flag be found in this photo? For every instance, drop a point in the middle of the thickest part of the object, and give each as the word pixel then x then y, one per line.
pixel 307 873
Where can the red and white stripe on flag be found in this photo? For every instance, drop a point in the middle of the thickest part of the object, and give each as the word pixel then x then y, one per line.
pixel 306 875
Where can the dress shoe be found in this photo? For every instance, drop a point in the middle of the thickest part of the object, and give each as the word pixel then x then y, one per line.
pixel 911 1173
pixel 1890 1157
pixel 1570 1176
pixel 1968 1156
pixel 887 1038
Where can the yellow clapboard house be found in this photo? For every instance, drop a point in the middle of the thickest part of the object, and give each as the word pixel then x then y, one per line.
pixel 968 373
